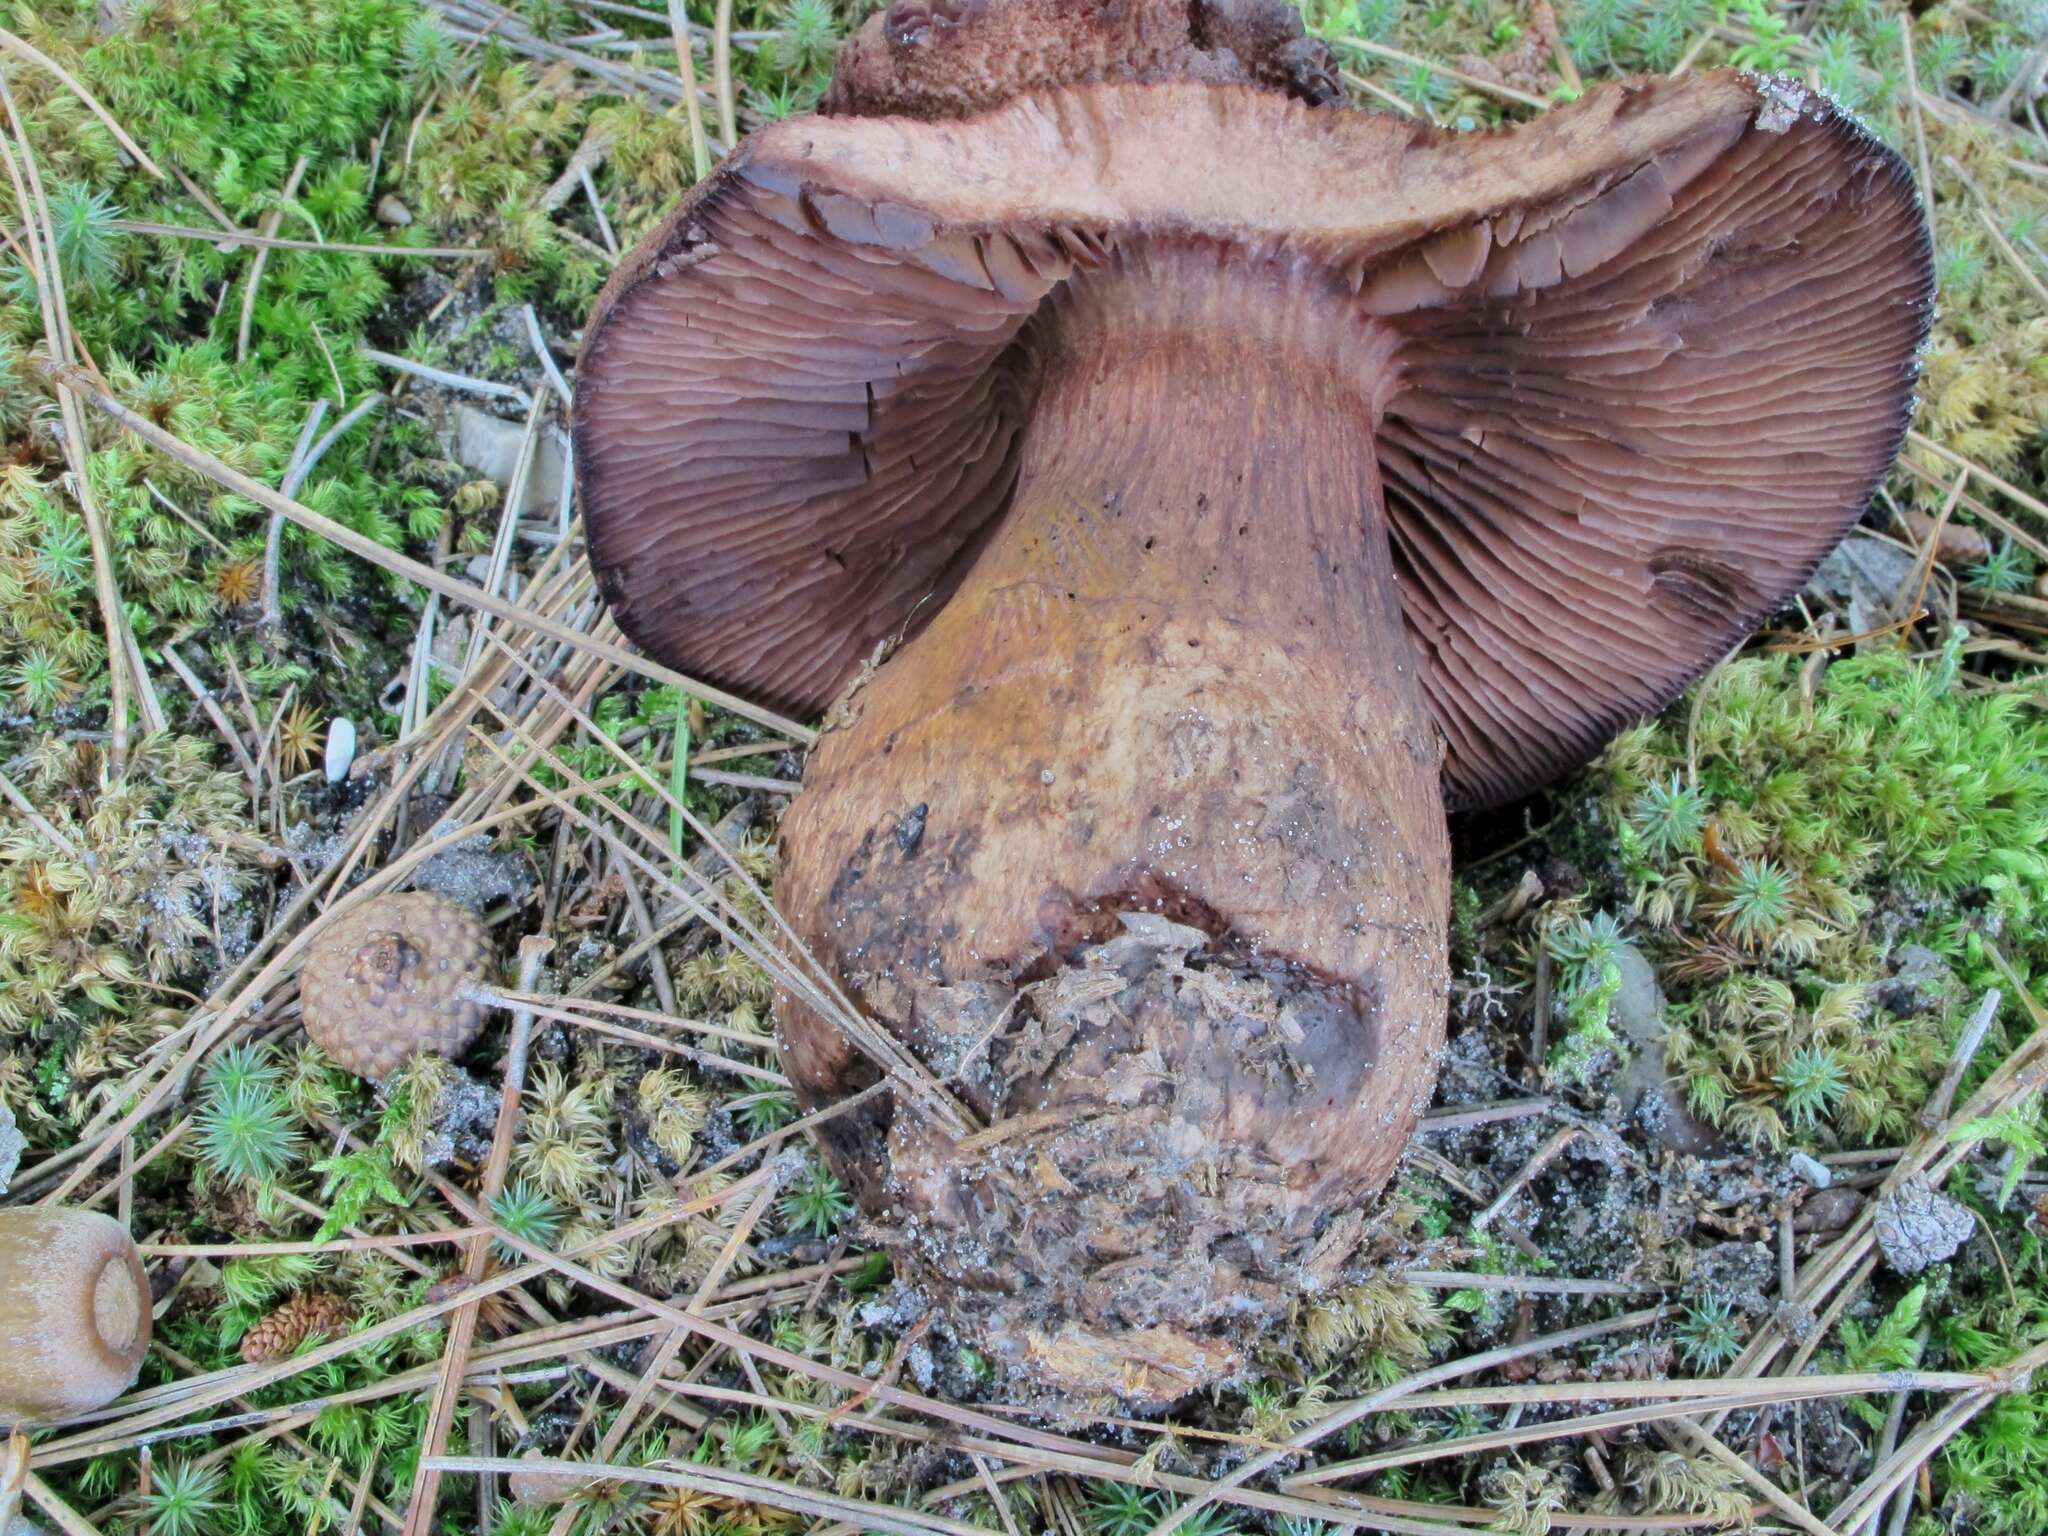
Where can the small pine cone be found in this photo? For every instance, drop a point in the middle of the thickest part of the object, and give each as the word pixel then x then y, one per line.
pixel 282 1331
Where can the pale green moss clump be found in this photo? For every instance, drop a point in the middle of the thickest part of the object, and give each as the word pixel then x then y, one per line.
pixel 1832 822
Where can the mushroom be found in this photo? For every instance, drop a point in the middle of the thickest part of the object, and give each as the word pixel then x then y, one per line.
pixel 74 1312
pixel 1180 493
pixel 402 975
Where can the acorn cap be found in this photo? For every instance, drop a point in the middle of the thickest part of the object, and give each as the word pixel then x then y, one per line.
pixel 392 979
pixel 74 1312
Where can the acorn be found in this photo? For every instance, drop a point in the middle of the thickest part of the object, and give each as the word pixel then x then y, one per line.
pixel 74 1312
pixel 399 976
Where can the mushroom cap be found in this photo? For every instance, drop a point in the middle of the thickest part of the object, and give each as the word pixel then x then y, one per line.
pixel 74 1312
pixel 952 58
pixel 1650 354
pixel 391 979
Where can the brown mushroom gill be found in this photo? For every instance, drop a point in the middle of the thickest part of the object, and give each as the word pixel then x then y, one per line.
pixel 1230 523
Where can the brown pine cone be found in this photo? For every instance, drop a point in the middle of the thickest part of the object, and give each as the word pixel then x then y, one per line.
pixel 278 1334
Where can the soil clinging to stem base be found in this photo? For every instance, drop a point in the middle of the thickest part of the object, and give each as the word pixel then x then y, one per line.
pixel 1172 690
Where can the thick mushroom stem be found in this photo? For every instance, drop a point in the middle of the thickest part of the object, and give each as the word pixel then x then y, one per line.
pixel 1175 682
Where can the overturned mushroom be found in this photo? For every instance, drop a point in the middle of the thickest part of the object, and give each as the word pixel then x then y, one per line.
pixel 402 975
pixel 1238 481
pixel 74 1312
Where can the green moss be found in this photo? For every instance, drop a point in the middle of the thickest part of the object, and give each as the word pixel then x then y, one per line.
pixel 1826 827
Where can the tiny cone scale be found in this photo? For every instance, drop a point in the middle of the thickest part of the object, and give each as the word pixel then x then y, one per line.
pixel 74 1313
pixel 286 1327
pixel 393 979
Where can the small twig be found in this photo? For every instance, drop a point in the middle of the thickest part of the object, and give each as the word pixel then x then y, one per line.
pixel 1919 124
pixel 728 114
pixel 48 273
pixel 1484 87
pixel 2030 66
pixel 36 56
pixel 187 518
pixel 62 1515
pixel 686 67
pixel 547 357
pixel 1558 1141
pixel 42 824
pixel 643 920
pixel 1399 103
pixel 1934 1115
pixel 1926 562
pixel 13 1476
pixel 1895 1417
pixel 2005 249
pixel 1777 1498
pixel 604 225
pixel 1440 1122
pixel 1539 1008
pixel 1521 1285
pixel 1342 1416
pixel 419 1510
pixel 234 239
pixel 270 222
pixel 203 695
pixel 745 781
pixel 448 380
pixel 664 1352
pixel 304 460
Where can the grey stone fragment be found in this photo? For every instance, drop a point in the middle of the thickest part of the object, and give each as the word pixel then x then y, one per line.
pixel 12 1145
pixel 1874 575
pixel 1637 1011
pixel 1920 980
pixel 1741 1274
pixel 488 445
pixel 1811 1170
pixel 1917 1225
pixel 1648 1091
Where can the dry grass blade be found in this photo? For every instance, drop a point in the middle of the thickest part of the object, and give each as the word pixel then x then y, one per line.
pixel 817 988
pixel 1778 1499
pixel 230 239
pixel 1345 1414
pixel 46 271
pixel 271 220
pixel 686 66
pixel 76 381
pixel 1484 87
pixel 419 1510
pixel 1739 1394
pixel 238 1381
pixel 2005 487
pixel 42 60
pixel 743 1486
